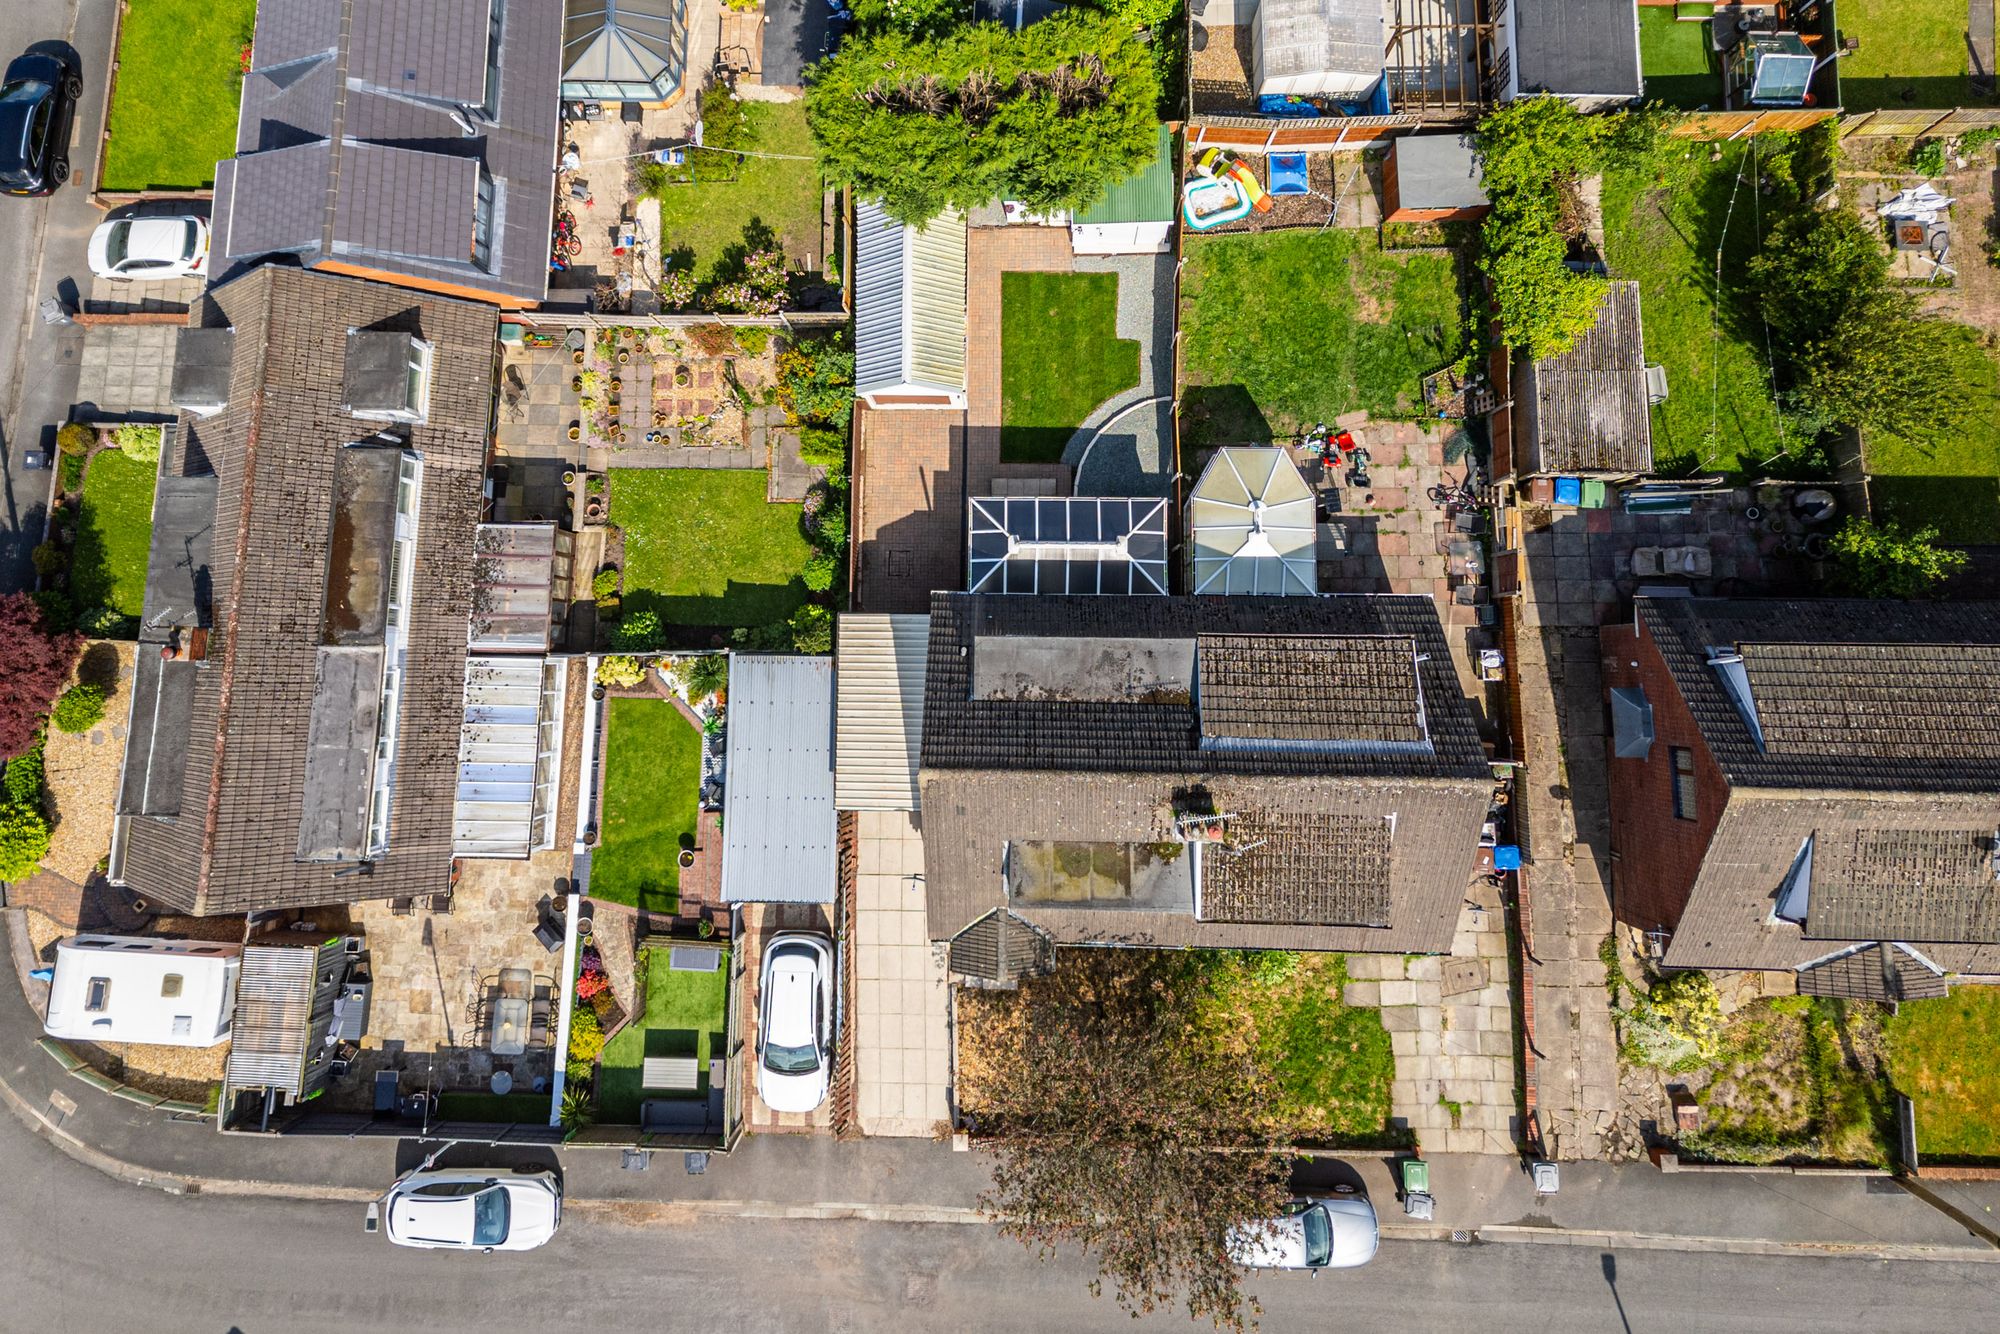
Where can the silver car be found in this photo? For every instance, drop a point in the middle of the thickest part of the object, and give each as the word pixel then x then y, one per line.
pixel 1331 1233
pixel 472 1209
pixel 795 1022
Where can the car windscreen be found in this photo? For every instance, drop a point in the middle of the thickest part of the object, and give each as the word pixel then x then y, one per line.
pixel 187 246
pixel 115 242
pixel 489 1217
pixel 1319 1236
pixel 790 1060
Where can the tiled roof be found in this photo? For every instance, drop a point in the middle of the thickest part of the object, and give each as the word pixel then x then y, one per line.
pixel 1868 695
pixel 1906 884
pixel 1001 947
pixel 1587 410
pixel 273 451
pixel 356 148
pixel 1309 688
pixel 1879 972
pixel 1318 869
pixel 1164 735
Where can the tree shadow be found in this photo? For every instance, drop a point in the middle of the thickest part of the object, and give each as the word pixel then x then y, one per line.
pixel 1223 414
pixel 734 261
pixel 739 604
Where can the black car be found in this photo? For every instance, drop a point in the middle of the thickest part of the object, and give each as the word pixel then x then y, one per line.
pixel 37 104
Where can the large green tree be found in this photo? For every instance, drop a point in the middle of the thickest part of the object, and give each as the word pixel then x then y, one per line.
pixel 1051 115
pixel 1121 1129
pixel 1856 350
pixel 1885 561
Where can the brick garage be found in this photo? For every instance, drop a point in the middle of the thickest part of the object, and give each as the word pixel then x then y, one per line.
pixel 1655 854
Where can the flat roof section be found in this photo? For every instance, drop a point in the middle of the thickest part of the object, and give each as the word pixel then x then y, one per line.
pixel 779 840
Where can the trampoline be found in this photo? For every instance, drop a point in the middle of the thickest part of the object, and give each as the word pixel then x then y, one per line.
pixel 1288 174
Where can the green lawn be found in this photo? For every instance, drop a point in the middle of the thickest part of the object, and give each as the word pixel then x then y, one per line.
pixel 1717 376
pixel 1944 1056
pixel 116 528
pixel 702 547
pixel 1060 356
pixel 652 789
pixel 709 222
pixel 173 112
pixel 1913 54
pixel 686 1014
pixel 1284 329
pixel 1956 484
pixel 1674 56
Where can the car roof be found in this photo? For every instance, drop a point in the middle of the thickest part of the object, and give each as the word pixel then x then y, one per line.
pixel 788 1000
pixel 155 238
pixel 446 1218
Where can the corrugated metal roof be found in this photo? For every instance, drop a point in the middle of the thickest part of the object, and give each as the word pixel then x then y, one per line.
pixel 909 302
pixel 274 1004
pixel 1147 196
pixel 879 711
pixel 779 843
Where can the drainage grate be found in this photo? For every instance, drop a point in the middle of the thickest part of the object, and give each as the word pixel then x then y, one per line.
pixel 636 1160
pixel 1460 1234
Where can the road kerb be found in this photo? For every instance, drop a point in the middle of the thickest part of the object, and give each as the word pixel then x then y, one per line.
pixel 1513 1233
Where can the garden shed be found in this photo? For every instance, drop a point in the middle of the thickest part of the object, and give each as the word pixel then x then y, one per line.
pixel 909 310
pixel 1433 178
pixel 1587 411
pixel 1136 215
pixel 1317 48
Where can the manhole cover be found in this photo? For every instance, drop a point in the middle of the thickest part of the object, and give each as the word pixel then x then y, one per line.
pixel 1462 975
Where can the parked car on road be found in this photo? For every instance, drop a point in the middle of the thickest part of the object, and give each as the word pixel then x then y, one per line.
pixel 795 1022
pixel 149 249
pixel 37 105
pixel 472 1209
pixel 1331 1233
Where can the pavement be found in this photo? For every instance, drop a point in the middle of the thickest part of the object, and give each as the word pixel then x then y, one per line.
pixel 42 245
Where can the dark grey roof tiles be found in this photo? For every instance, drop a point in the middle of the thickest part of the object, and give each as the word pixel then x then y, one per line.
pixel 288 31
pixel 963 733
pixel 275 200
pixel 1861 694
pixel 1309 688
pixel 434 48
pixel 395 201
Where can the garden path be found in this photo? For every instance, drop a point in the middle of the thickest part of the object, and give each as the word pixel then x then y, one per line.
pixel 1133 456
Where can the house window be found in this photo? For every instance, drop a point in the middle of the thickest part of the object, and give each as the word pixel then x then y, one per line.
pixel 482 222
pixel 170 985
pixel 1683 782
pixel 494 18
pixel 97 999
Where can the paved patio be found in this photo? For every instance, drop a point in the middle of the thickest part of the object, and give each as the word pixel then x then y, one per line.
pixel 903 1004
pixel 127 369
pixel 1451 1027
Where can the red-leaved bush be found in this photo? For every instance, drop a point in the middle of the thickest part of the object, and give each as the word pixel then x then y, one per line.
pixel 34 667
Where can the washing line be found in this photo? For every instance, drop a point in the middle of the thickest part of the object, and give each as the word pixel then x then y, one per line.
pixel 1715 320
pixel 1770 357
pixel 734 152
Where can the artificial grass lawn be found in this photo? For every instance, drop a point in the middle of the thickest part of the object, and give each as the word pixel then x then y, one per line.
pixel 116 528
pixel 1674 56
pixel 173 111
pixel 1717 376
pixel 686 1015
pixel 1944 1056
pixel 702 547
pixel 1284 329
pixel 1060 356
pixel 1954 485
pixel 1913 55
pixel 652 790
pixel 706 223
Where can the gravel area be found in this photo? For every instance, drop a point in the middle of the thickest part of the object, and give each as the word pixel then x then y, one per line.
pixel 82 770
pixel 171 1072
pixel 1132 457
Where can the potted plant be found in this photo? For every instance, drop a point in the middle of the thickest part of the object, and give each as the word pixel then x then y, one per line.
pixel 576 383
pixel 576 357
pixel 683 377
pixel 687 858
pixel 569 477
pixel 624 357
pixel 704 928
pixel 576 430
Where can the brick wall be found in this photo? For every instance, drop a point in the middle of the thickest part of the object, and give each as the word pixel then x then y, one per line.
pixel 1656 855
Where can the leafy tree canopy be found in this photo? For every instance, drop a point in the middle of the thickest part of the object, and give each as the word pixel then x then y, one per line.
pixel 34 664
pixel 1885 561
pixel 1051 115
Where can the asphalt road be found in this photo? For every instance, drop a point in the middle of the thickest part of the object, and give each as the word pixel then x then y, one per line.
pixel 42 254
pixel 82 1252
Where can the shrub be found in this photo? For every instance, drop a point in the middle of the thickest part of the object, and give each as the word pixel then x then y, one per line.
pixel 1885 561
pixel 605 584
pixel 812 630
pixel 22 783
pixel 579 1108
pixel 586 1034
pixel 50 559
pixel 703 676
pixel 620 670
pixel 638 633
pixel 1927 158
pixel 816 379
pixel 723 124
pixel 579 1073
pixel 34 665
pixel 58 609
pixel 822 568
pixel 75 438
pixel 24 841
pixel 105 623
pixel 754 340
pixel 138 442
pixel 1675 1025
pixel 924 18
pixel 80 709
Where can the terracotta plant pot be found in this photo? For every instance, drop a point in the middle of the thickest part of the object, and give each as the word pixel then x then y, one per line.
pixel 624 357
pixel 576 357
pixel 576 433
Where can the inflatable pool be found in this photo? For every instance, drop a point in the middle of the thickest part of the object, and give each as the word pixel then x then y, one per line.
pixel 1211 201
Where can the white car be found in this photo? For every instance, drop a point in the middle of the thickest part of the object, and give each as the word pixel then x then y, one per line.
pixel 795 1022
pixel 473 1209
pixel 149 249
pixel 1335 1233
